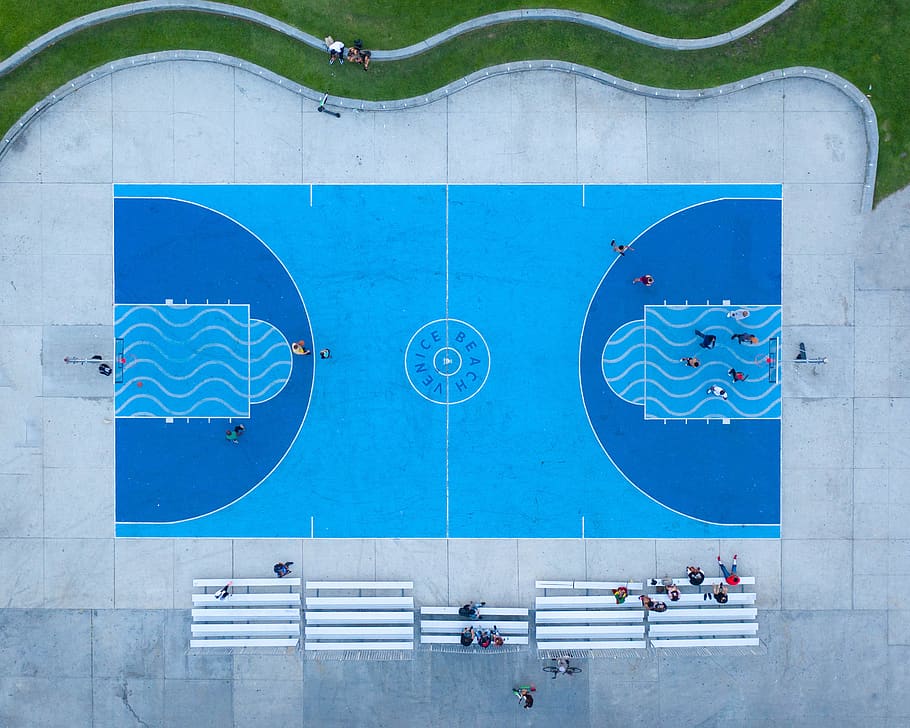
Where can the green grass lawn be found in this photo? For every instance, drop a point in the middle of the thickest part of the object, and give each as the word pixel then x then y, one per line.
pixel 863 41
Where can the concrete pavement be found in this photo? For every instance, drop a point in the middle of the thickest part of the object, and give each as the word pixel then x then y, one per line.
pixel 102 624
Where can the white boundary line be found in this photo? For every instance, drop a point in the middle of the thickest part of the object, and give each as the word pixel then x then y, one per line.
pixel 581 388
pixel 312 382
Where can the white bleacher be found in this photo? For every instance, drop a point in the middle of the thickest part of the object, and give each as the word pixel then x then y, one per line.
pixel 696 599
pixel 694 621
pixel 266 617
pixel 337 623
pixel 510 622
pixel 247 600
pixel 576 623
pixel 287 581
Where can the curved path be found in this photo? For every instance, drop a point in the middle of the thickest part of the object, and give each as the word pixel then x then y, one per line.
pixel 484 21
pixel 838 82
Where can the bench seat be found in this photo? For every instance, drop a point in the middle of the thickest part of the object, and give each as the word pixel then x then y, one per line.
pixel 575 616
pixel 256 630
pixel 596 585
pixel 346 603
pixel 327 646
pixel 248 642
pixel 239 614
pixel 717 613
pixel 445 625
pixel 589 631
pixel 709 581
pixel 485 611
pixel 708 642
pixel 591 645
pixel 451 639
pixel 287 581
pixel 694 630
pixel 353 633
pixel 246 600
pixel 397 585
pixel 734 598
pixel 596 602
pixel 360 617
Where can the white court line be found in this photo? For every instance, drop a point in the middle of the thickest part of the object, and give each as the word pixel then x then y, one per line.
pixel 447 378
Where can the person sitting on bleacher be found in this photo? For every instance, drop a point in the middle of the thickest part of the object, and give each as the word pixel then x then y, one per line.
pixel 651 606
pixel 497 638
pixel 620 593
pixel 673 592
pixel 484 639
pixel 467 636
pixel 720 593
pixel 471 610
pixel 695 574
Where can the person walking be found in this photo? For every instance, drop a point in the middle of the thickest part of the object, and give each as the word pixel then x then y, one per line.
pixel 231 436
pixel 691 361
pixel 646 280
pixel 523 693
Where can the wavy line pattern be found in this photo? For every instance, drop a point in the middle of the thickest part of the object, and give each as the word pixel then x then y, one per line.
pixel 186 363
pixel 270 361
pixel 677 390
pixel 623 362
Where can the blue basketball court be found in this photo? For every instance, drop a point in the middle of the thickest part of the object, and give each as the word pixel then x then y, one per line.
pixel 492 370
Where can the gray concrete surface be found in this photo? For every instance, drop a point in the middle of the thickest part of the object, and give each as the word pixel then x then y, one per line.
pixel 95 630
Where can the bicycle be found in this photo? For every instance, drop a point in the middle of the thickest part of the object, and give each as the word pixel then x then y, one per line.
pixel 558 668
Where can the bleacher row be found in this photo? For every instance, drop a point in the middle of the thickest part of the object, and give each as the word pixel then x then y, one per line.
pixel 571 617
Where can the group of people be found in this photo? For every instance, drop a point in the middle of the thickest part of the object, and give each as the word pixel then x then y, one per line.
pixel 709 341
pixel 355 54
pixel 696 577
pixel 484 637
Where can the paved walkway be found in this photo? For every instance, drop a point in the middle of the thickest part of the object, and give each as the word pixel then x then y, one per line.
pixel 143 7
pixel 102 624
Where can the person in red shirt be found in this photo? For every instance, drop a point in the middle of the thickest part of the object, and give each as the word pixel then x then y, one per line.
pixel 729 576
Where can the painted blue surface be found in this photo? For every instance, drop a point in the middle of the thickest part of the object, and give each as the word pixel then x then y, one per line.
pixel 674 390
pixel 183 361
pixel 270 361
pixel 524 268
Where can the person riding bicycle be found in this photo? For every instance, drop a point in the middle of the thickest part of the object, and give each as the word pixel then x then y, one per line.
pixel 562 665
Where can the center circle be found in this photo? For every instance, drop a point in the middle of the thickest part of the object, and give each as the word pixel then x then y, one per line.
pixel 447 361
